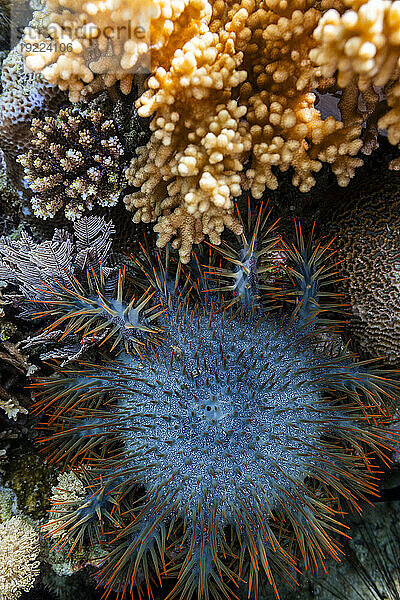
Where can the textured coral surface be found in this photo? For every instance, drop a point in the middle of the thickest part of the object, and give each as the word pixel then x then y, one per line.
pixel 19 565
pixel 197 388
pixel 91 45
pixel 369 245
pixel 75 162
pixel 239 93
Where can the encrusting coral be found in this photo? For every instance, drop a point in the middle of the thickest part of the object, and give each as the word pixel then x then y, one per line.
pixel 369 248
pixel 223 441
pixel 75 161
pixel 19 551
pixel 24 95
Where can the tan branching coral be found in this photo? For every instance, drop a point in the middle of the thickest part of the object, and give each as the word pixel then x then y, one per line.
pixel 91 45
pixel 190 170
pixel 19 565
pixel 76 160
pixel 238 94
pixel 363 41
pixel 287 130
pixel 363 46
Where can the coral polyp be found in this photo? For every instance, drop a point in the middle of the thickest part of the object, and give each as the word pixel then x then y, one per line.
pixel 224 447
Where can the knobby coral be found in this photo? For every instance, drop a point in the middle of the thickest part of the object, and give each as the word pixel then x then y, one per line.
pixel 19 565
pixel 223 441
pixel 240 93
pixel 233 96
pixel 362 44
pixel 75 160
pixel 92 45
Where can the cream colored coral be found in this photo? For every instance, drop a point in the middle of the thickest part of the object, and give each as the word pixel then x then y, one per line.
pixel 364 41
pixel 287 130
pixel 240 92
pixel 12 408
pixel 66 494
pixel 19 564
pixel 191 189
pixel 69 488
pixel 190 170
pixel 363 44
pixel 91 45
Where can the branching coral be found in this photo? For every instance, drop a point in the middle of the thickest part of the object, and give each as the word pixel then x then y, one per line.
pixel 224 444
pixel 91 45
pixel 239 93
pixel 12 408
pixel 76 160
pixel 287 131
pixel 233 97
pixel 19 565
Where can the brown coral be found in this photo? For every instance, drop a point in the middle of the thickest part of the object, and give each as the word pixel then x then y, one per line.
pixel 369 246
pixel 91 45
pixel 76 160
pixel 239 93
pixel 362 45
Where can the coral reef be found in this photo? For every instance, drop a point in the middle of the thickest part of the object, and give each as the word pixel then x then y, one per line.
pixel 369 247
pixel 8 504
pixel 19 565
pixel 15 367
pixel 361 45
pixel 24 96
pixel 200 404
pixel 62 260
pixel 10 198
pixel 29 477
pixel 224 441
pixel 239 94
pixel 75 160
pixel 12 408
pixel 233 97
pixel 92 45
